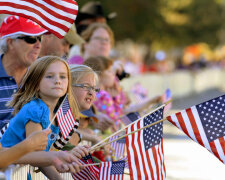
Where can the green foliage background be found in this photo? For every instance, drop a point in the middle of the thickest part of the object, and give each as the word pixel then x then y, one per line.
pixel 167 23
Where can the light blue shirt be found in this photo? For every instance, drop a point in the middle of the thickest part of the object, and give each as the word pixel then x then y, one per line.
pixel 36 111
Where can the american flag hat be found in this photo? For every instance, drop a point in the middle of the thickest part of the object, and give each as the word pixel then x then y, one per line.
pixel 13 25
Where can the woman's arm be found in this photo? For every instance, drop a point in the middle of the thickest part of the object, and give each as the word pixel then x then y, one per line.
pixel 36 141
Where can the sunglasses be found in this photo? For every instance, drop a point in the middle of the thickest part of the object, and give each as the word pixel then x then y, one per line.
pixel 30 39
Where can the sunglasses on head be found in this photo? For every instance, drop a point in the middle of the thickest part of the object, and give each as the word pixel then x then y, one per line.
pixel 30 39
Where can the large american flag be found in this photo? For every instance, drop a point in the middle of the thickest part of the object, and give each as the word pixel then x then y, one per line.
pixel 145 148
pixel 65 118
pixel 57 16
pixel 205 124
pixel 129 118
pixel 89 172
pixel 118 146
pixel 112 170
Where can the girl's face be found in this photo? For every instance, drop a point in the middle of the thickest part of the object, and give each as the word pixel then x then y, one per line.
pixel 84 96
pixel 54 82
pixel 107 78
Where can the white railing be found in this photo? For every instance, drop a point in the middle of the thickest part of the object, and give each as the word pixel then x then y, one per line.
pixel 181 83
pixel 20 173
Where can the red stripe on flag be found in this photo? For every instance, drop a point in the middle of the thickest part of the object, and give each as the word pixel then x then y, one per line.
pixel 164 168
pixel 214 150
pixel 107 171
pixel 58 6
pixel 135 151
pixel 150 165
pixel 57 15
pixel 156 161
pixel 142 157
pixel 170 120
pixel 181 122
pixel 68 122
pixel 128 154
pixel 194 126
pixel 161 161
pixel 222 142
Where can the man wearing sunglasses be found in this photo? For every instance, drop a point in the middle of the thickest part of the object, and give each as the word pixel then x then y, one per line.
pixel 20 43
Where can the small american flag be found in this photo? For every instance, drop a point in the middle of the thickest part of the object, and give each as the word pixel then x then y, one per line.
pixel 57 16
pixel 145 148
pixel 118 146
pixel 65 118
pixel 112 170
pixel 129 118
pixel 205 124
pixel 89 172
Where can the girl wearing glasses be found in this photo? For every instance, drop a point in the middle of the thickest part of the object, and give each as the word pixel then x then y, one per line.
pixel 84 82
pixel 35 103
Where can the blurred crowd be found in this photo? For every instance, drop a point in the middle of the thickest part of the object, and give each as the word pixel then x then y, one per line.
pixel 94 64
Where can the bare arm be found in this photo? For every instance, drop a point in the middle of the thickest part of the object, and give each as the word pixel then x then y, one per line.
pixel 61 160
pixel 142 105
pixel 36 141
pixel 88 135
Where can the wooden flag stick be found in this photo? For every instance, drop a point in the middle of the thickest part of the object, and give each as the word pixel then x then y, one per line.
pixel 93 149
pixel 126 173
pixel 57 111
pixel 104 140
pixel 86 165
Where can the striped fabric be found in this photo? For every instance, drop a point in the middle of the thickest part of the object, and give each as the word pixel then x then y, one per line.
pixel 8 86
pixel 57 16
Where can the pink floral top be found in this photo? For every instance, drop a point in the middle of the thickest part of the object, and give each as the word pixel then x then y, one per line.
pixel 111 106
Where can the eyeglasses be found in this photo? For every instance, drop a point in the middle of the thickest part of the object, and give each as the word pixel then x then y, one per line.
pixel 30 39
pixel 107 40
pixel 87 88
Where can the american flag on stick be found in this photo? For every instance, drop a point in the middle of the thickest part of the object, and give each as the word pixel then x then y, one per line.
pixel 118 146
pixel 65 118
pixel 205 124
pixel 145 148
pixel 57 16
pixel 112 170
pixel 89 172
pixel 129 118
